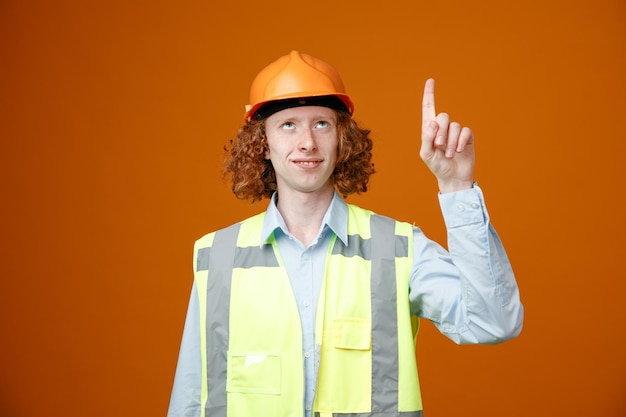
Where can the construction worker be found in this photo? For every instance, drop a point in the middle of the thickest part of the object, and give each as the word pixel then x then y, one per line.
pixel 309 308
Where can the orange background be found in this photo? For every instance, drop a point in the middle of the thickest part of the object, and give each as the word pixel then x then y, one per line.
pixel 113 116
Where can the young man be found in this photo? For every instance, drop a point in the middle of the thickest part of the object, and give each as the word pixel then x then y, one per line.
pixel 309 309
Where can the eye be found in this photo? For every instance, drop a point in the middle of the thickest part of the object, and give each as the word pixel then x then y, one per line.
pixel 288 125
pixel 322 124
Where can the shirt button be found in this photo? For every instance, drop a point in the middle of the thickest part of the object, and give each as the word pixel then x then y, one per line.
pixel 307 354
pixel 461 207
pixel 475 206
pixel 305 256
pixel 308 407
pixel 306 303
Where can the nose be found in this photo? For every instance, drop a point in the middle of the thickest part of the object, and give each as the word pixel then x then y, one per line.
pixel 307 141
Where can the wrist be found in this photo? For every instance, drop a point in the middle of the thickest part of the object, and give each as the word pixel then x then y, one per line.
pixel 451 186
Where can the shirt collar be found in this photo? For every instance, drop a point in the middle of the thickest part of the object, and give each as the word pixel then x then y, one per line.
pixel 336 218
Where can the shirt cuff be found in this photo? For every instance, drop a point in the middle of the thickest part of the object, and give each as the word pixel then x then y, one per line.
pixel 461 208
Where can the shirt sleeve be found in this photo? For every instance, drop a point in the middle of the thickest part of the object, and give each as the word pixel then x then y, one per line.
pixel 185 398
pixel 469 292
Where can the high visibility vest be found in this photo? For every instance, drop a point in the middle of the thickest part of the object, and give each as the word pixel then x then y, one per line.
pixel 251 335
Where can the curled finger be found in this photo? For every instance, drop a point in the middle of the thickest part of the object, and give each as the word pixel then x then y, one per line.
pixel 465 138
pixel 453 139
pixel 443 121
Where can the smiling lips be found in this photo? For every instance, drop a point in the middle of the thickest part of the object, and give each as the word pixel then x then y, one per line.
pixel 308 163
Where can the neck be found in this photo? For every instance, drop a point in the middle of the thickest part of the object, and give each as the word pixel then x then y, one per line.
pixel 303 212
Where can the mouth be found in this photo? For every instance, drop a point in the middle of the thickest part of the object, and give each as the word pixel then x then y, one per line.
pixel 307 163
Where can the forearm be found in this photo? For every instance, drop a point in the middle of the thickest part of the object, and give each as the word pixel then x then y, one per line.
pixel 490 295
pixel 470 293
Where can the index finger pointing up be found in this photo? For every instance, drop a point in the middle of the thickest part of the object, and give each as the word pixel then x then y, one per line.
pixel 428 102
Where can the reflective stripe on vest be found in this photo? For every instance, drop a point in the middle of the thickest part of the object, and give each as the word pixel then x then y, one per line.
pixel 263 372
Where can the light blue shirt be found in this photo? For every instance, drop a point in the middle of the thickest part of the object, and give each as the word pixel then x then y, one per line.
pixel 468 292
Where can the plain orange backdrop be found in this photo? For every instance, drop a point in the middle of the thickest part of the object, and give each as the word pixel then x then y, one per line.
pixel 113 117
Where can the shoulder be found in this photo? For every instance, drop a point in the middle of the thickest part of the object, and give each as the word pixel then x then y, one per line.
pixel 359 215
pixel 252 222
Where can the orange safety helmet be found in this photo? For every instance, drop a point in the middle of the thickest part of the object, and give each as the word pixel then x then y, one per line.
pixel 296 80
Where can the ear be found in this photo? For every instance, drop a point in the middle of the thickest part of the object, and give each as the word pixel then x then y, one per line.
pixel 266 156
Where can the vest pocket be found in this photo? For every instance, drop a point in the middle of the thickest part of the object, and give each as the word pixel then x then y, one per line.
pixel 253 372
pixel 352 333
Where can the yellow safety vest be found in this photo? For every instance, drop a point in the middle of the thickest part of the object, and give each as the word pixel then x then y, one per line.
pixel 251 336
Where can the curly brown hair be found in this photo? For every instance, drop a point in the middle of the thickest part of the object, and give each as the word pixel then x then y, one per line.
pixel 253 176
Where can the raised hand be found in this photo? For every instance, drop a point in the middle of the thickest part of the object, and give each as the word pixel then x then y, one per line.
pixel 447 148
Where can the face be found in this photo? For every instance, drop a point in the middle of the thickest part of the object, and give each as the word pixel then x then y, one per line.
pixel 302 145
